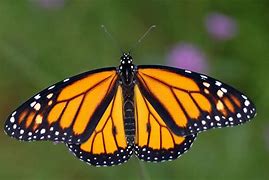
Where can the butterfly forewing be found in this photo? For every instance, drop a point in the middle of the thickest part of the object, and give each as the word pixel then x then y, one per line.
pixel 67 111
pixel 107 144
pixel 190 102
pixel 154 141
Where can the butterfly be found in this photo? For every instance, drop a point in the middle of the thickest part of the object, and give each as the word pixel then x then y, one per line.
pixel 106 115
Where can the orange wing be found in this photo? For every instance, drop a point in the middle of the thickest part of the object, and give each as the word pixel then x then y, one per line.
pixel 154 141
pixel 67 111
pixel 189 102
pixel 107 144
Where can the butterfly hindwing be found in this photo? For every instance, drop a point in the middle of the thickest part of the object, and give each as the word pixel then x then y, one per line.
pixel 107 144
pixel 190 102
pixel 154 141
pixel 67 111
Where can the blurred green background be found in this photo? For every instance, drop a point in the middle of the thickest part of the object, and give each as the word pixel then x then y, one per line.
pixel 44 41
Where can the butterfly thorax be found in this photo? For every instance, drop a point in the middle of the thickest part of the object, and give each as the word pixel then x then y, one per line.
pixel 126 72
pixel 126 69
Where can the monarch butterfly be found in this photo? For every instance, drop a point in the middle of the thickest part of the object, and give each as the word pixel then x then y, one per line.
pixel 105 115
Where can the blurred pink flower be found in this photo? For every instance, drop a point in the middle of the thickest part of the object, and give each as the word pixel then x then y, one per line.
pixel 50 4
pixel 220 26
pixel 187 56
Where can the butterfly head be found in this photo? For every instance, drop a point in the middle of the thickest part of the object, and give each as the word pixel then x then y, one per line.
pixel 126 68
pixel 126 59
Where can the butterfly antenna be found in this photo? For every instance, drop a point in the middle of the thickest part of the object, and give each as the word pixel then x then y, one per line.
pixel 111 37
pixel 143 37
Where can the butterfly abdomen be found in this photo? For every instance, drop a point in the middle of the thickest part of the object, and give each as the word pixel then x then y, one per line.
pixel 129 120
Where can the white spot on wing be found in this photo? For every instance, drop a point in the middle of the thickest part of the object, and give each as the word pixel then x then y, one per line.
pixel 51 87
pixel 218 83
pixel 37 97
pixel 37 106
pixel 49 95
pixel 42 131
pixel 217 118
pixel 243 96
pixel 13 114
pixel 224 90
pixel 12 119
pixel 247 103
pixel 66 80
pixel 203 76
pixel 33 104
pixel 220 93
pixel 187 71
pixel 206 84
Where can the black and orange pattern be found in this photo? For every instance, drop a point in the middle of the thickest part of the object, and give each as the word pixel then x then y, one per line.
pixel 107 115
pixel 107 144
pixel 154 141
pixel 189 102
pixel 67 111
